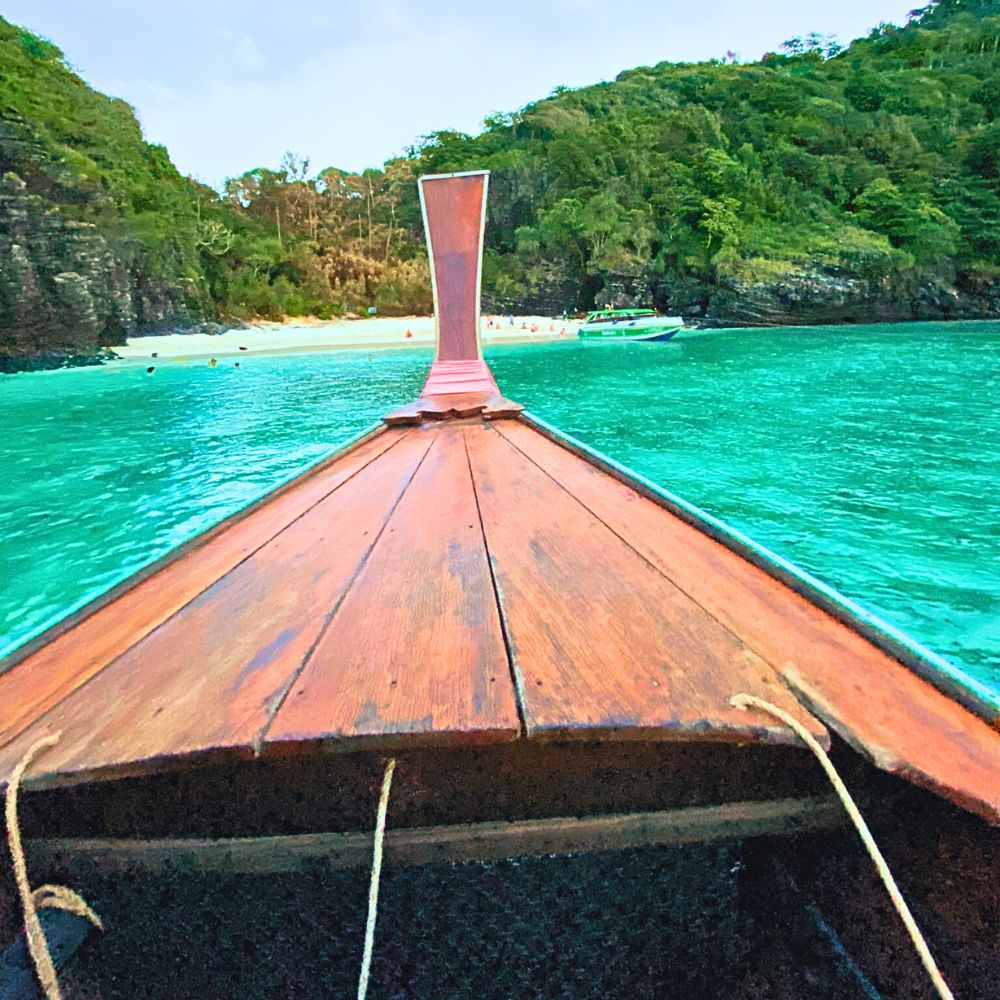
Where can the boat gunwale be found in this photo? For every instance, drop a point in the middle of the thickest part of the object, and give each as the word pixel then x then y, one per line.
pixel 20 649
pixel 948 678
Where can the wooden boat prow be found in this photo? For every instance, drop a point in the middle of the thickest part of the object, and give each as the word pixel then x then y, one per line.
pixel 463 575
pixel 469 589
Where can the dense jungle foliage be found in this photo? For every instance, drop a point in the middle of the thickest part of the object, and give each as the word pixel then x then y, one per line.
pixel 882 159
pixel 674 183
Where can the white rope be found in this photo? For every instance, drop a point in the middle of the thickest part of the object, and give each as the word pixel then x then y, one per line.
pixel 383 806
pixel 52 896
pixel 745 701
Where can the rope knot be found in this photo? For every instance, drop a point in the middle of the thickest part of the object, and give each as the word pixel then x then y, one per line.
pixel 53 897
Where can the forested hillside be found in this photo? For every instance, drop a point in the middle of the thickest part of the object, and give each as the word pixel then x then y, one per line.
pixel 815 185
pixel 99 233
pixel 820 184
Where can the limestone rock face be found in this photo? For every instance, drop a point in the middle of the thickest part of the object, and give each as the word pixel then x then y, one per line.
pixel 66 289
pixel 806 294
pixel 833 295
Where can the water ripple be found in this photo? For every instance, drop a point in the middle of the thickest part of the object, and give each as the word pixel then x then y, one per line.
pixel 867 455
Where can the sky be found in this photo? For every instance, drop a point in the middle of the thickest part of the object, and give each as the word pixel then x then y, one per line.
pixel 230 85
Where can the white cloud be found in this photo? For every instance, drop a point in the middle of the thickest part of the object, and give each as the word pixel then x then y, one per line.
pixel 390 17
pixel 160 92
pixel 247 54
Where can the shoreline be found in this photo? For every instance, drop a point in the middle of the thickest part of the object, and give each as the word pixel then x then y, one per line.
pixel 304 335
pixel 301 336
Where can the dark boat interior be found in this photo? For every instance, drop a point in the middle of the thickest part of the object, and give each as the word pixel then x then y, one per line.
pixel 795 912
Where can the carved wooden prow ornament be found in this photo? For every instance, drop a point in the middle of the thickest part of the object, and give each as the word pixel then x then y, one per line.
pixel 460 383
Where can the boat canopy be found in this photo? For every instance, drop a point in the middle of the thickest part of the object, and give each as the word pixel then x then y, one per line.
pixel 619 314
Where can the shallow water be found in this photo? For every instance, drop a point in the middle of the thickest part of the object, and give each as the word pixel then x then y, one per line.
pixel 867 455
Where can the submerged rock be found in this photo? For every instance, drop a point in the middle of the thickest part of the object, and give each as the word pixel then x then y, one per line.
pixel 48 360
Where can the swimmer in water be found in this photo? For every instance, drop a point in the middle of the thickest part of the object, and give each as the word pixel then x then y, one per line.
pixel 212 363
pixel 150 369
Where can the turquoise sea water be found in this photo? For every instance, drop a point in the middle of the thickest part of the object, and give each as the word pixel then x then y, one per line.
pixel 869 456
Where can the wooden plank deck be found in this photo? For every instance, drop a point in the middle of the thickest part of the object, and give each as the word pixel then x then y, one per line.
pixel 465 582
pixel 57 668
pixel 208 678
pixel 415 654
pixel 361 612
pixel 904 724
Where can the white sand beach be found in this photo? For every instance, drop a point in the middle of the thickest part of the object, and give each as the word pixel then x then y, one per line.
pixel 301 335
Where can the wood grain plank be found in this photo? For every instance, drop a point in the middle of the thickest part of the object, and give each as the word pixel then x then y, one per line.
pixel 603 643
pixel 454 405
pixel 485 841
pixel 207 679
pixel 900 721
pixel 415 654
pixel 31 687
pixel 453 216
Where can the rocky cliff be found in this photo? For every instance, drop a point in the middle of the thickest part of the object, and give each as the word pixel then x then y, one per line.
pixel 814 295
pixel 98 230
pixel 66 290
